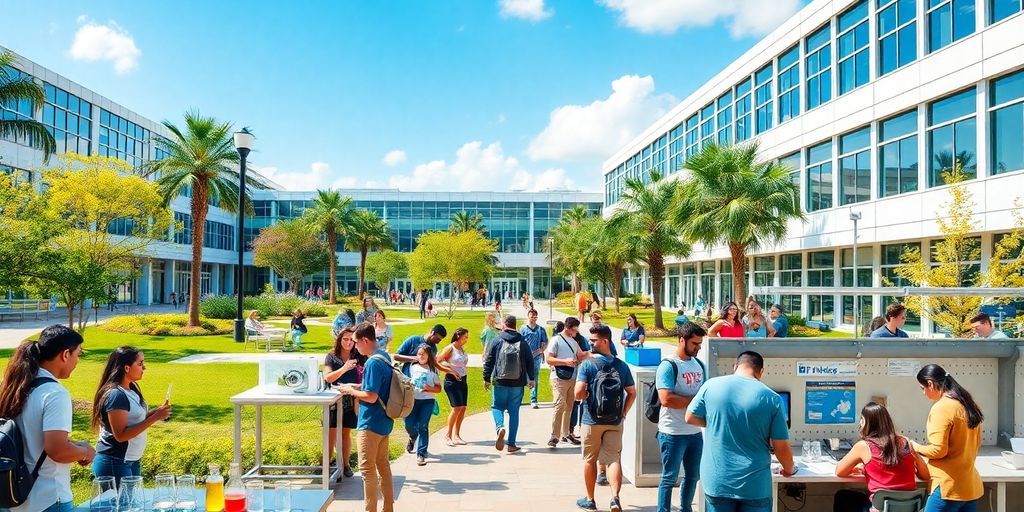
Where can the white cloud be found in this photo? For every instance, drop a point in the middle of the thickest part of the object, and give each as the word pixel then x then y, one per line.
pixel 744 17
pixel 530 10
pixel 394 158
pixel 111 42
pixel 318 176
pixel 594 131
pixel 480 168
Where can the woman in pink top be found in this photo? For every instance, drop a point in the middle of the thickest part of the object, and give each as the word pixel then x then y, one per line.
pixel 728 324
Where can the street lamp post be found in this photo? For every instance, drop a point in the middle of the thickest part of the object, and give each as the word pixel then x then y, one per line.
pixel 243 143
pixel 855 217
pixel 551 278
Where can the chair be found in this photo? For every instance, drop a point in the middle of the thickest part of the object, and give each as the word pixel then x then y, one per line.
pixel 898 501
pixel 255 337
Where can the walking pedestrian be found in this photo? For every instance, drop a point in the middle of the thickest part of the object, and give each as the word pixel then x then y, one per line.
pixel 508 368
pixel 453 360
pixel 537 338
pixel 173 298
pixel 298 327
pixel 563 356
pixel 406 352
pixel 427 384
pixel 490 331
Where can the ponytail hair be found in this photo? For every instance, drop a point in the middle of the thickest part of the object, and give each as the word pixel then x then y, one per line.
pixel 944 382
pixel 24 366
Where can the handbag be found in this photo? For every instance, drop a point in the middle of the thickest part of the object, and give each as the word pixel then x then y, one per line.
pixel 565 372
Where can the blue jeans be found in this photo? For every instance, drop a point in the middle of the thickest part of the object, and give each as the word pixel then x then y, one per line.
pixel 679 450
pixel 574 418
pixel 105 465
pixel 297 337
pixel 536 371
pixel 937 504
pixel 60 507
pixel 717 504
pixel 507 398
pixel 417 424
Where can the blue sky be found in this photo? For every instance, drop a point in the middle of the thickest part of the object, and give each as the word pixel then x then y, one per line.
pixel 414 94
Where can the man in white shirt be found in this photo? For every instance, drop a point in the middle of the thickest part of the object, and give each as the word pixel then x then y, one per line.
pixel 983 327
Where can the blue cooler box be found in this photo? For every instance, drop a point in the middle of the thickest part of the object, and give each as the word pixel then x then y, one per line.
pixel 643 356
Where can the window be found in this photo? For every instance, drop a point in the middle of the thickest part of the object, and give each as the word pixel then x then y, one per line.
pixel 707 125
pixel 865 255
pixel 822 308
pixel 790 268
pixel 20 175
pixel 743 126
pixel 1006 116
pixel 675 149
pixel 819 177
pixel 1002 9
pixel 897 34
pixel 898 153
pixel 789 84
pixel 821 268
pixel 68 118
pixel 764 275
pixel 948 21
pixel 725 282
pixel 792 161
pixel 969 269
pixel 120 138
pixel 20 110
pixel 891 258
pixel 865 312
pixel 724 118
pixel 855 166
pixel 692 136
pixel 791 304
pixel 852 48
pixel 763 98
pixel 818 64
pixel 707 281
pixel 952 136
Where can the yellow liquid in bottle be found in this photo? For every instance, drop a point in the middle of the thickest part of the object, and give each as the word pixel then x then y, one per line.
pixel 215 496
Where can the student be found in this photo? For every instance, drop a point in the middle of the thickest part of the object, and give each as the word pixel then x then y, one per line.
pixel 634 334
pixel 406 353
pixel 373 427
pixel 779 321
pixel 508 374
pixel 369 309
pixel 537 338
pixel 596 320
pixel 174 300
pixel 253 323
pixel 120 414
pixel 344 317
pixel 41 409
pixel 607 387
pixel 563 355
pixel 755 323
pixel 681 318
pixel 582 306
pixel 344 365
pixel 699 306
pixel 453 361
pixel 954 438
pixel 677 380
pixel 875 323
pixel 895 317
pixel 728 324
pixel 384 331
pixel 983 328
pixel 888 461
pixel 427 383
pixel 490 330
pixel 572 331
pixel 298 327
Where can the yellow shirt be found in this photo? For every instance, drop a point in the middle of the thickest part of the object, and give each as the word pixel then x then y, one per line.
pixel 951 452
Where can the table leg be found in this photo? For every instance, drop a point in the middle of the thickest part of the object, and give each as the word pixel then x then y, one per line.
pixel 342 462
pixel 238 434
pixel 775 496
pixel 1001 497
pixel 259 438
pixel 326 447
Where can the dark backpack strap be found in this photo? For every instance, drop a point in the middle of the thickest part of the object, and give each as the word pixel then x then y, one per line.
pixel 703 369
pixel 36 382
pixel 675 372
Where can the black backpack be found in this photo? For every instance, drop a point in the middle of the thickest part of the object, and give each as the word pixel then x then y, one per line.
pixel 652 410
pixel 15 477
pixel 508 365
pixel 606 400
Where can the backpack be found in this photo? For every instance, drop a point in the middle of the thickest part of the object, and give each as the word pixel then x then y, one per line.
pixel 508 365
pixel 652 409
pixel 401 398
pixel 14 473
pixel 606 395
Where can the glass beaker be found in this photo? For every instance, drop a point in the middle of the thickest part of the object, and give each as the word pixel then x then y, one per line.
pixel 163 493
pixel 283 496
pixel 185 494
pixel 130 496
pixel 254 496
pixel 104 494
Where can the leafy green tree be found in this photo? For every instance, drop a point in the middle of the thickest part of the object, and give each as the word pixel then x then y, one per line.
pixel 368 232
pixel 644 226
pixel 731 198
pixel 201 160
pixel 465 221
pixel 330 214
pixel 25 226
pixel 384 267
pixel 455 258
pixel 569 248
pixel 15 89
pixel 617 253
pixel 291 250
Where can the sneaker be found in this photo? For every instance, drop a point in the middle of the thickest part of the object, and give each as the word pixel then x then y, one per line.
pixel 586 504
pixel 615 506
pixel 410 447
pixel 421 461
pixel 347 471
pixel 553 442
pixel 513 449
pixel 602 479
pixel 499 444
pixel 575 441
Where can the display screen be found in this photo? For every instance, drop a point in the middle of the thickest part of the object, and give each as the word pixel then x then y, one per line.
pixel 786 407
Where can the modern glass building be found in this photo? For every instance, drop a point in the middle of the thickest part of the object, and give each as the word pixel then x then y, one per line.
pixel 869 101
pixel 85 122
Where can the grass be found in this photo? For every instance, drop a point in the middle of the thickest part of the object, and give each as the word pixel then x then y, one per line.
pixel 201 426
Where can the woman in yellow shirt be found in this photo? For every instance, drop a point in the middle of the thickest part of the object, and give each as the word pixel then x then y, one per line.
pixel 954 438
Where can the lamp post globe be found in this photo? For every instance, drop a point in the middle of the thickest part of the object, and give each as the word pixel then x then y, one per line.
pixel 243 143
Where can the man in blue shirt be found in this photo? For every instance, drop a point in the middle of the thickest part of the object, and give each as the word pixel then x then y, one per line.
pixel 602 439
pixel 742 419
pixel 374 426
pixel 537 338
pixel 895 317
pixel 779 321
pixel 406 352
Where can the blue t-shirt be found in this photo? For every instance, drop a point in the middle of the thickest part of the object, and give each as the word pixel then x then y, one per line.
pixel 682 320
pixel 535 338
pixel 743 416
pixel 884 332
pixel 410 346
pixel 632 336
pixel 781 325
pixel 377 378
pixel 588 373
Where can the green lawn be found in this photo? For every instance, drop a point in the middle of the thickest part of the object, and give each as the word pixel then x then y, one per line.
pixel 201 429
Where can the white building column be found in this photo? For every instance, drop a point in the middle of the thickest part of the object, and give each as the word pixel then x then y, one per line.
pixel 144 294
pixel 169 281
pixel 215 278
pixel 229 279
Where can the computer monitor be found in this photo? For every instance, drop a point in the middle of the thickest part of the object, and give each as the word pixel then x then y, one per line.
pixel 786 407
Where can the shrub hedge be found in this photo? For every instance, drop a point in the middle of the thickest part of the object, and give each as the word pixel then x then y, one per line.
pixel 275 304
pixel 165 325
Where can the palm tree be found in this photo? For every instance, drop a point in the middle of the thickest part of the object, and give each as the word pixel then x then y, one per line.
pixel 330 214
pixel 569 256
pixel 644 226
pixel 14 88
pixel 201 159
pixel 618 253
pixel 368 233
pixel 464 221
pixel 730 198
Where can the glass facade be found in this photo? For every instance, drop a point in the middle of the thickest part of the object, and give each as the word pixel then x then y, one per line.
pixel 852 48
pixel 744 128
pixel 1006 118
pixel 789 84
pixel 952 136
pixel 948 21
pixel 855 166
pixel 819 177
pixel 763 98
pixel 121 138
pixel 818 64
pixel 898 154
pixel 897 34
pixel 68 118
pixel 724 118
pixel 216 235
pixel 1002 9
pixel 20 110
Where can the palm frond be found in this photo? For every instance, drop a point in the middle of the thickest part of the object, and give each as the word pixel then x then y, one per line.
pixel 33 131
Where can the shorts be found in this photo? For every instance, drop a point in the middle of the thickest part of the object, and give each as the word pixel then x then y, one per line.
pixel 602 443
pixel 457 390
pixel 348 417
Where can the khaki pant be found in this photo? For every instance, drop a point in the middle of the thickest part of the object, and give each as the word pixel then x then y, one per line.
pixel 563 391
pixel 375 469
pixel 602 443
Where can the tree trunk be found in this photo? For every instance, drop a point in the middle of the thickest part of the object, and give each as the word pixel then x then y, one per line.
pixel 332 244
pixel 739 270
pixel 616 287
pixel 81 316
pixel 199 205
pixel 656 262
pixel 362 272
pixel 71 313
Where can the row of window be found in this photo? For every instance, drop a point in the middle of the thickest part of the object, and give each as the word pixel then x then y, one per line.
pixel 121 138
pixel 844 41
pixel 68 118
pixel 216 235
pixel 16 110
pixel 429 210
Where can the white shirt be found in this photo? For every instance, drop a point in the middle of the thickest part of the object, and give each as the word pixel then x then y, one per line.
pixel 997 334
pixel 422 377
pixel 688 379
pixel 48 409
pixel 562 347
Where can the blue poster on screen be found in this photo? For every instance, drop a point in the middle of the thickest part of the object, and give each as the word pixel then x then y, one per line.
pixel 830 402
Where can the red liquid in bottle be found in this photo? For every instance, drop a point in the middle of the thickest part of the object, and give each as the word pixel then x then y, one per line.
pixel 234 503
